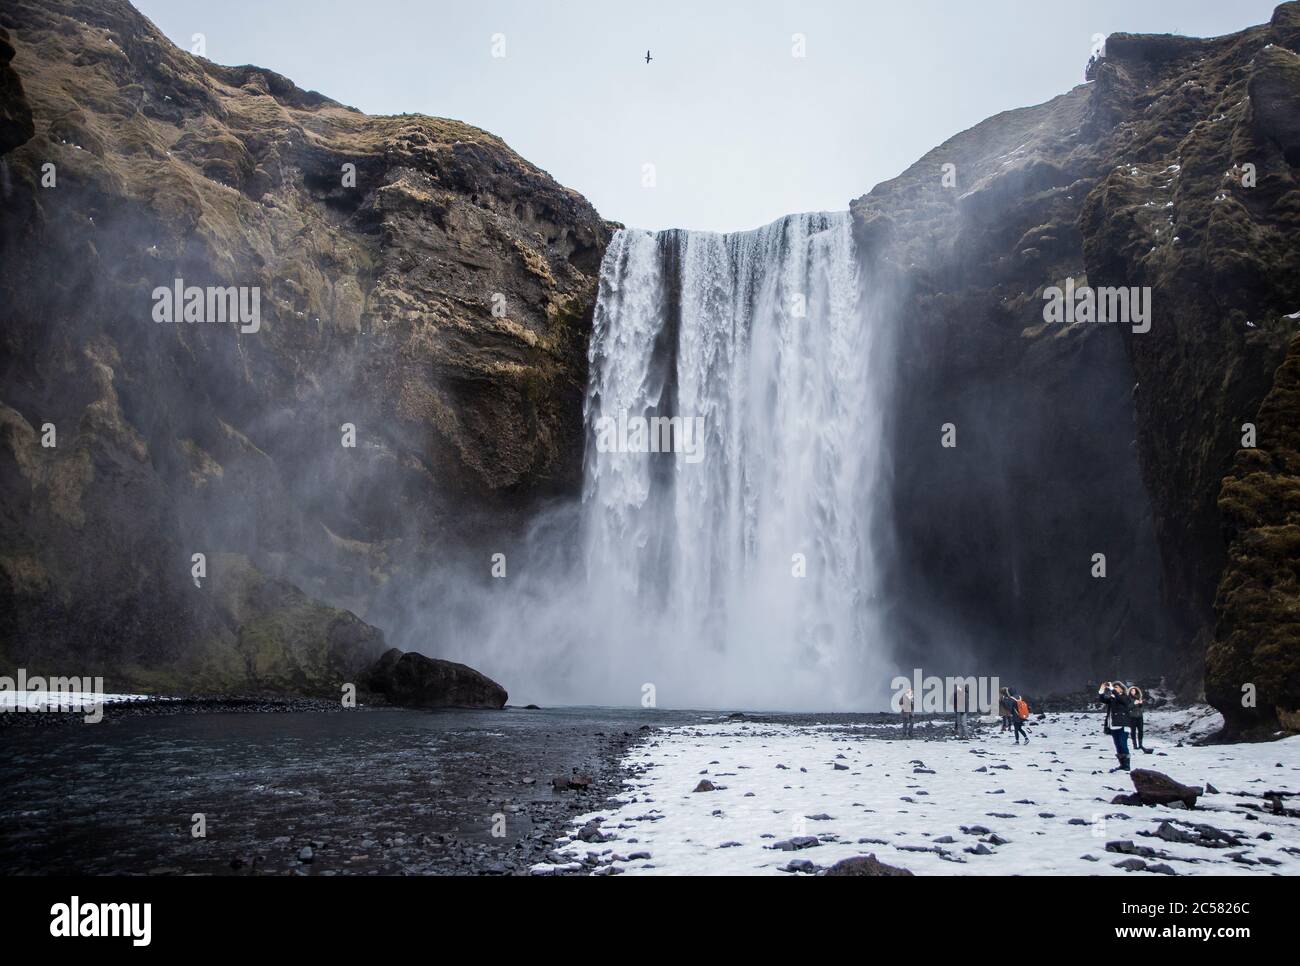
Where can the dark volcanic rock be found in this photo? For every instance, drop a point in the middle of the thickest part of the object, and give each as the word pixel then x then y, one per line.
pixel 591 833
pixel 865 865
pixel 1043 463
pixel 1087 438
pixel 578 783
pixel 1126 847
pixel 15 113
pixel 1205 835
pixel 415 681
pixel 1154 788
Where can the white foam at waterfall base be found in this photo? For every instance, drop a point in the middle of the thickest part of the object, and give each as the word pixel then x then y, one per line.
pixel 689 574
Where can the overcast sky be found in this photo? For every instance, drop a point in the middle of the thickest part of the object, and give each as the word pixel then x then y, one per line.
pixel 739 131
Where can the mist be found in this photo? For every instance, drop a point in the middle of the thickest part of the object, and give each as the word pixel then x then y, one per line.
pixel 748 577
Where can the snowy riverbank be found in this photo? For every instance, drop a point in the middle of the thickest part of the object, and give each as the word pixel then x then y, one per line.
pixel 934 804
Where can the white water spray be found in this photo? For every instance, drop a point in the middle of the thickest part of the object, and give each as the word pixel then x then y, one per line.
pixel 744 573
pixel 746 577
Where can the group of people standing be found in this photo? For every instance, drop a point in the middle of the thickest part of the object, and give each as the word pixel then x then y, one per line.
pixel 1013 709
pixel 1124 716
pixel 1124 713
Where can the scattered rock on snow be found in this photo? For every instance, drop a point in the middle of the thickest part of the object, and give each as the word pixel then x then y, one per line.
pixel 1156 788
pixel 800 865
pixel 865 865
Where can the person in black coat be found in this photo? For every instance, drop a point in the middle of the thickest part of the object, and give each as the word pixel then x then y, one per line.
pixel 1006 708
pixel 1114 696
pixel 1135 709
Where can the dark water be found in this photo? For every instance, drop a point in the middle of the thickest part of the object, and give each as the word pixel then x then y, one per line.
pixel 378 792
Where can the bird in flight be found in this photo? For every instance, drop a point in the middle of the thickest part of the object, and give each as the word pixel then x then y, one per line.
pixel 647 57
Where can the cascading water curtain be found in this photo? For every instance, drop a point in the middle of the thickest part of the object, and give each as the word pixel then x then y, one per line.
pixel 736 570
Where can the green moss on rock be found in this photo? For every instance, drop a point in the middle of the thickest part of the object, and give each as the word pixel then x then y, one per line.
pixel 1256 649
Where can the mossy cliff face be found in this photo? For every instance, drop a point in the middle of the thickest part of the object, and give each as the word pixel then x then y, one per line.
pixel 268 637
pixel 1224 273
pixel 416 280
pixel 1094 438
pixel 1257 640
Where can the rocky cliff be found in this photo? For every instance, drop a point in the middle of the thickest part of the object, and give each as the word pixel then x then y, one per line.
pixel 423 294
pixel 1252 662
pixel 1173 169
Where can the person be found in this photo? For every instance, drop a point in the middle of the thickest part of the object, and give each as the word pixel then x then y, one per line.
pixel 1115 697
pixel 959 698
pixel 1135 717
pixel 1007 708
pixel 1019 716
pixel 909 716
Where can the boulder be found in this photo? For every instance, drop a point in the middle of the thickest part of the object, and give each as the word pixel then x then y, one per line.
pixel 412 680
pixel 577 783
pixel 1155 788
pixel 800 865
pixel 865 865
pixel 1126 847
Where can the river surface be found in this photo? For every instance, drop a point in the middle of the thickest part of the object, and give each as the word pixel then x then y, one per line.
pixel 368 791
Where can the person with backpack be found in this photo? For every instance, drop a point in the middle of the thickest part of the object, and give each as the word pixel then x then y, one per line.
pixel 1135 707
pixel 1019 717
pixel 1006 708
pixel 1115 697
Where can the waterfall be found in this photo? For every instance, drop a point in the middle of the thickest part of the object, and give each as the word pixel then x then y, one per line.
pixel 741 573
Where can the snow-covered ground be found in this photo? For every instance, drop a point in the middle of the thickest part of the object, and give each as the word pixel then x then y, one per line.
pixel 1041 808
pixel 29 701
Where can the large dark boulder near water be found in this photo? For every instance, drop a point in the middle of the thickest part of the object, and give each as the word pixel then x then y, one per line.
pixel 415 681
